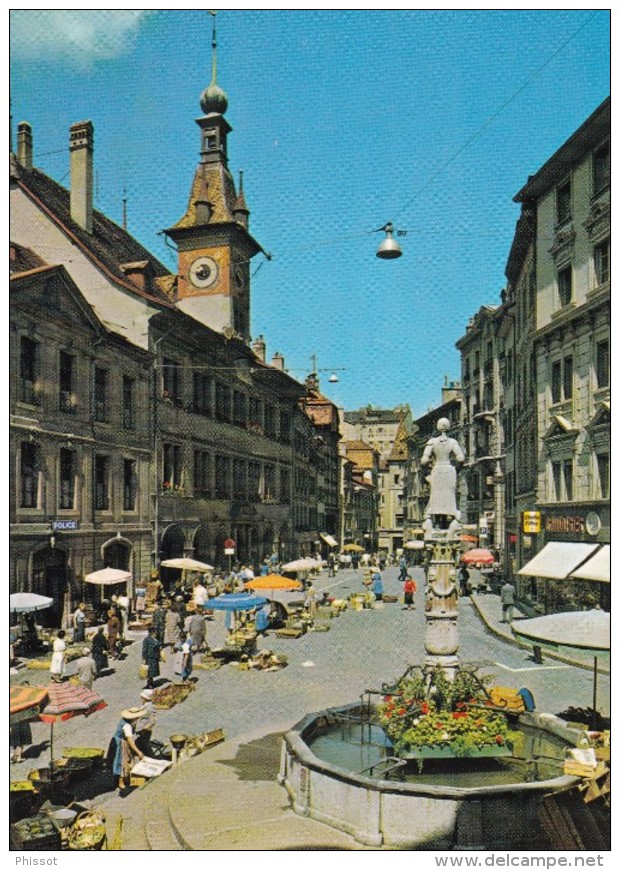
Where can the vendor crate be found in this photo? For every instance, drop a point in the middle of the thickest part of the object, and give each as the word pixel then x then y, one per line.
pixel 289 632
pixel 324 612
pixel 36 833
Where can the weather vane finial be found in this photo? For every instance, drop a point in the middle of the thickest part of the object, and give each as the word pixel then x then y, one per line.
pixel 213 13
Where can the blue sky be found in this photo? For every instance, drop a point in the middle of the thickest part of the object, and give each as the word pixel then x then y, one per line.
pixel 342 120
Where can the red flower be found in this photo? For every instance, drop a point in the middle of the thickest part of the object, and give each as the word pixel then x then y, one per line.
pixel 425 708
pixel 499 739
pixel 401 711
pixel 439 725
pixel 459 715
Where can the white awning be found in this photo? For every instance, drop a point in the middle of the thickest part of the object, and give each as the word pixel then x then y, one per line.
pixel 557 560
pixel 598 566
pixel 329 540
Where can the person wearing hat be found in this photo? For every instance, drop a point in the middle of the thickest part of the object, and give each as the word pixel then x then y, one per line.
pixel 86 669
pixel 123 748
pixel 145 724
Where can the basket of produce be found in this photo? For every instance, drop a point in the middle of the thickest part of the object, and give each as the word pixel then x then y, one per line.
pixel 35 833
pixel 24 799
pixel 87 833
pixel 88 753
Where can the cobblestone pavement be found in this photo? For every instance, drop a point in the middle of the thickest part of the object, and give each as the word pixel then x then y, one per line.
pixel 361 650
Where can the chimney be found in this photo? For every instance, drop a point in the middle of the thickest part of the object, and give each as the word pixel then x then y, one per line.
pixel 260 348
pixel 24 144
pixel 277 361
pixel 81 141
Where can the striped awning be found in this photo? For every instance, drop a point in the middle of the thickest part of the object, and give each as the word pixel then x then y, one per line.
pixel 329 540
pixel 26 702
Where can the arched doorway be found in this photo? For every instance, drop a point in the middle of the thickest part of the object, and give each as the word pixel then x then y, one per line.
pixel 117 554
pixel 202 545
pixel 172 547
pixel 50 577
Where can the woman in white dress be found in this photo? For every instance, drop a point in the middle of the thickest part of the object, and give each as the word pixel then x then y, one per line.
pixel 57 665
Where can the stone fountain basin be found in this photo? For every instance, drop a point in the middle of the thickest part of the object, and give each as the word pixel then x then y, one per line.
pixel 411 815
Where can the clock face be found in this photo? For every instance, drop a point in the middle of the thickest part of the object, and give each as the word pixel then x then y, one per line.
pixel 203 272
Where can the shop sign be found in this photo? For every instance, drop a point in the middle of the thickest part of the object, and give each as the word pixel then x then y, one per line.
pixel 564 524
pixel 64 525
pixel 531 522
pixel 229 547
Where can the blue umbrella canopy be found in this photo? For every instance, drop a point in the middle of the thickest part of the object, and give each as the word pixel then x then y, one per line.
pixel 235 601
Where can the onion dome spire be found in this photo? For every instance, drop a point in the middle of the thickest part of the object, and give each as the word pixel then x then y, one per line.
pixel 213 99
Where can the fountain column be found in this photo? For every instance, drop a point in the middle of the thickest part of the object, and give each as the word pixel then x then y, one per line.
pixel 442 529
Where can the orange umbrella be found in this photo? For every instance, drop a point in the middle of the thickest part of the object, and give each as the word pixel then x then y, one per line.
pixel 478 557
pixel 273 582
pixel 469 539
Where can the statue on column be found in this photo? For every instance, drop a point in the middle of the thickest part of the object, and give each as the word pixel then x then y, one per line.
pixel 442 511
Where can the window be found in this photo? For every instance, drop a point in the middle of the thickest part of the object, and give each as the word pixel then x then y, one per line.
pixel 222 476
pixel 67 399
pixel 239 408
pixel 567 377
pixel 130 484
pixel 285 427
pixel 396 479
pixel 29 475
pixel 556 479
pixel 601 169
pixel 602 461
pixel 67 479
pixel 270 420
pixel 203 402
pixel 565 286
pixel 270 481
pixel 172 467
pixel 239 479
pixel 29 368
pixel 222 402
pixel 285 485
pixel 255 413
pixel 129 410
pixel 101 390
pixel 171 380
pixel 567 473
pixel 202 474
pixel 563 203
pixel 254 480
pixel 102 483
pixel 602 263
pixel 562 380
pixel 602 364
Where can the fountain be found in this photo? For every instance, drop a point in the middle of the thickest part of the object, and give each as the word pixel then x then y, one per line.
pixel 433 764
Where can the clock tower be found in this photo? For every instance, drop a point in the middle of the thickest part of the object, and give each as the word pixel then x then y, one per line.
pixel 212 238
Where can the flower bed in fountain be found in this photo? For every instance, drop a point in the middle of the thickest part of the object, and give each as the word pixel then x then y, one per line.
pixel 429 716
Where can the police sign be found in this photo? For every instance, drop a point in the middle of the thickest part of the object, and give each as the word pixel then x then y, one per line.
pixel 531 522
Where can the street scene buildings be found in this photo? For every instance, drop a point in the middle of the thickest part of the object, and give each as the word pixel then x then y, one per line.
pixel 149 422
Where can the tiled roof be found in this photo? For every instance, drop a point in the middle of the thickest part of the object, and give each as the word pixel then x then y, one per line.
pixel 373 415
pixel 399 448
pixel 215 185
pixel 108 243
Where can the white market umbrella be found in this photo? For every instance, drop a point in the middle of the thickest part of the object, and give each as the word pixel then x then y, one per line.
pixel 588 630
pixel 185 564
pixel 27 602
pixel 108 577
pixel 301 565
pixel 414 545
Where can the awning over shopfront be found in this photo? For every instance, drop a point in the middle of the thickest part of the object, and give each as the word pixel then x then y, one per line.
pixel 557 560
pixel 329 540
pixel 598 566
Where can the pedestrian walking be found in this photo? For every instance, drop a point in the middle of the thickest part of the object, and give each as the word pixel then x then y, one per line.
pixel 20 736
pixel 57 664
pixel 377 585
pixel 100 650
pixel 172 626
pixel 79 624
pixel 197 630
pixel 158 621
pixel 464 580
pixel 86 669
pixel 146 723
pixel 140 600
pixel 507 596
pixel 409 590
pixel 124 606
pixel 151 655
pixel 200 594
pixel 114 630
pixel 183 661
pixel 402 567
